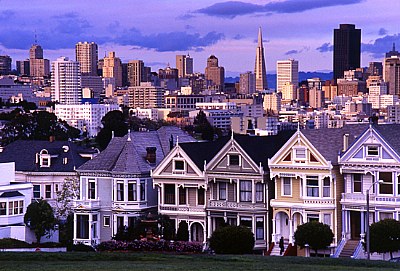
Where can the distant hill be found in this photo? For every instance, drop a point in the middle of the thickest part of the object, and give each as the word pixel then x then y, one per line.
pixel 271 78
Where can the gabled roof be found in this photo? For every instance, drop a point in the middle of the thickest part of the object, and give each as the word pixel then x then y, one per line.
pixel 259 148
pixel 23 153
pixel 127 156
pixel 391 134
pixel 329 141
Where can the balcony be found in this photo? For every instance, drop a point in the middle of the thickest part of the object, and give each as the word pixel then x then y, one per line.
pixel 184 209
pixel 218 204
pixel 86 204
pixel 319 201
pixel 359 198
pixel 129 205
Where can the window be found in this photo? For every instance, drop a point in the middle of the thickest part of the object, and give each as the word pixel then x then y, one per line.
pixel 245 191
pixel 21 206
pixel 132 191
pixel 142 190
pixel 312 186
pixel 120 191
pixel 3 208
pixel 246 221
pixel 92 189
pixel 10 208
pixel 232 221
pixel 312 217
pixel 386 186
pixel 327 219
pixel 120 222
pixel 179 165
pixel 383 215
pixel 16 209
pixel 222 190
pixel 182 196
pixel 169 194
pixel 201 196
pixel 326 189
pixel 357 183
pixel 82 227
pixel 372 150
pixel 259 192
pixel 234 160
pixel 300 153
pixel 287 186
pixel 36 191
pixel 47 190
pixel 259 228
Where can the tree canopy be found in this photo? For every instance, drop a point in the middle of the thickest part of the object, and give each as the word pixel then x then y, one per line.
pixel 203 126
pixel 385 236
pixel 314 234
pixel 113 121
pixel 39 217
pixel 232 240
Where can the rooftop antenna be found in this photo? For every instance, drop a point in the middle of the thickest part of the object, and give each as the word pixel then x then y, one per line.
pixel 35 37
pixel 394 47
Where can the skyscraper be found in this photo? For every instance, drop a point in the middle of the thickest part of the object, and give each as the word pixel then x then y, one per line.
pixel 136 73
pixel 260 70
pixel 112 68
pixel 346 49
pixel 5 65
pixel 66 81
pixel 184 64
pixel 215 75
pixel 38 66
pixel 391 71
pixel 287 71
pixel 247 83
pixel 87 55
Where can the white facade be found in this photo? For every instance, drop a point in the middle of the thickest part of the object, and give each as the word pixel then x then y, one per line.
pixel 85 117
pixel 145 113
pixel 66 81
pixel 287 71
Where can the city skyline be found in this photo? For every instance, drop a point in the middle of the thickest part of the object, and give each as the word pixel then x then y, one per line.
pixel 159 31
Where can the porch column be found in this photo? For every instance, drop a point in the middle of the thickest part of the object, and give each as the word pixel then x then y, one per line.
pixel 362 235
pixel 75 225
pixel 90 227
pixel 209 226
pixel 273 230
pixel 344 229
pixel 290 231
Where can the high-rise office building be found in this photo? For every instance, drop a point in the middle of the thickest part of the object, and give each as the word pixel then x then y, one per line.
pixel 346 49
pixel 184 64
pixel 375 68
pixel 112 68
pixel 391 74
pixel 39 67
pixel 5 65
pixel 23 67
pixel 260 70
pixel 287 71
pixel 146 96
pixel 66 81
pixel 215 75
pixel 136 73
pixel 87 55
pixel 247 83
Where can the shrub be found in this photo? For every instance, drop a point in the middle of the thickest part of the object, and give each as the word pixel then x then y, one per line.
pixel 232 240
pixel 161 245
pixel 315 234
pixel 183 232
pixel 12 243
pixel 82 248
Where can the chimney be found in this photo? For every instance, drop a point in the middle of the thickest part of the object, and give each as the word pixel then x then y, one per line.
pixel 151 155
pixel 345 142
pixel 52 138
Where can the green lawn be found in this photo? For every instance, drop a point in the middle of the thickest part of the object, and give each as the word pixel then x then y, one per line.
pixel 157 261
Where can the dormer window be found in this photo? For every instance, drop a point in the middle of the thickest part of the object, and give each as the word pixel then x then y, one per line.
pixel 372 150
pixel 300 154
pixel 234 160
pixel 44 158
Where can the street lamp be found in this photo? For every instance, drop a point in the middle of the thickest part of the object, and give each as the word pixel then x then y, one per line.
pixel 367 232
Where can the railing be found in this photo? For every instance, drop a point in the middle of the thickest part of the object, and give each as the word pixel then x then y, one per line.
pixel 350 197
pixel 182 209
pixel 339 248
pixel 319 201
pixel 87 204
pixel 129 205
pixel 358 251
pixel 235 205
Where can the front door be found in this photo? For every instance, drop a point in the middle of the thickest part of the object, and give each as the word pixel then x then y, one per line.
pixel 355 225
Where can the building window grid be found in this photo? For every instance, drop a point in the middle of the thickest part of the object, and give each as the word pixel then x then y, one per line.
pixel 287 186
pixel 245 190
pixel 312 186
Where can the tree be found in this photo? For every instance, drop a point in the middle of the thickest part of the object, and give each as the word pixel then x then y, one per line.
pixel 385 236
pixel 232 240
pixel 113 121
pixel 183 232
pixel 39 217
pixel 203 126
pixel 314 234
pixel 69 191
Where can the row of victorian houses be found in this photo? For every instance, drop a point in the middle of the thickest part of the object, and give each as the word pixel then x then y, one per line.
pixel 269 184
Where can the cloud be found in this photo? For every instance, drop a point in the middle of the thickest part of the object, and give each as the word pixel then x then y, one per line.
pixel 382 31
pixel 231 9
pixel 380 46
pixel 292 52
pixel 238 37
pixel 326 47
pixel 171 41
pixel 6 15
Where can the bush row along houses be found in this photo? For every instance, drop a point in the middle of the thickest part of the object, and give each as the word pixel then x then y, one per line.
pixel 269 184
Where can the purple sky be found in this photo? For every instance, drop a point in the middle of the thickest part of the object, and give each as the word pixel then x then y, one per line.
pixel 156 30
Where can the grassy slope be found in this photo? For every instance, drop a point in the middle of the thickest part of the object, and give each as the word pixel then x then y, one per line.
pixel 152 261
